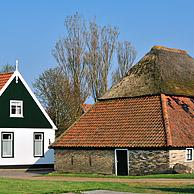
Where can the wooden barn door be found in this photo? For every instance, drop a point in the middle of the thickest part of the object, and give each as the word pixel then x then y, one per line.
pixel 121 162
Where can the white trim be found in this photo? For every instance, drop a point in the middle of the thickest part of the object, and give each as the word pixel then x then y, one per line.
pixel 16 73
pixel 10 109
pixel 7 83
pixel 186 160
pixel 117 161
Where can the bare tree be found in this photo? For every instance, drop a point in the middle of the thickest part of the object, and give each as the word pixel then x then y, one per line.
pixel 7 68
pixel 69 53
pixel 54 91
pixel 84 58
pixel 126 55
pixel 100 49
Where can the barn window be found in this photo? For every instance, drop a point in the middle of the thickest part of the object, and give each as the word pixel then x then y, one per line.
pixel 7 145
pixel 189 154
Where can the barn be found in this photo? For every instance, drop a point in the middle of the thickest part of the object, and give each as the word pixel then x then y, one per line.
pixel 142 125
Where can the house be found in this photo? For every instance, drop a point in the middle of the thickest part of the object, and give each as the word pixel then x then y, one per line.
pixel 26 130
pixel 142 125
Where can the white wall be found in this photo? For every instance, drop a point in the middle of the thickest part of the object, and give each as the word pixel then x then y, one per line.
pixel 23 147
pixel 179 156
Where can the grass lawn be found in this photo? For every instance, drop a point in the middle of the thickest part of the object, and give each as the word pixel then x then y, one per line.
pixel 14 186
pixel 156 176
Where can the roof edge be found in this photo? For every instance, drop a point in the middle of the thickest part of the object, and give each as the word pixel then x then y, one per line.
pixel 108 147
pixel 128 147
pixel 166 121
pixel 36 100
pixel 53 144
pixel 140 96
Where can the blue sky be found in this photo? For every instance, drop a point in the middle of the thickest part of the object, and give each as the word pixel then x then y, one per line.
pixel 29 29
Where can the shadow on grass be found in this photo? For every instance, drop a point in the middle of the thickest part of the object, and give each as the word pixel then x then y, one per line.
pixel 189 189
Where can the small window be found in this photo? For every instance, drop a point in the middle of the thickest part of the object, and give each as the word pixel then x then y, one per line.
pixel 16 108
pixel 38 144
pixel 7 145
pixel 189 154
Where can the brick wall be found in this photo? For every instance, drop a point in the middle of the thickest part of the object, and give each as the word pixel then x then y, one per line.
pixel 86 161
pixel 179 156
pixel 148 162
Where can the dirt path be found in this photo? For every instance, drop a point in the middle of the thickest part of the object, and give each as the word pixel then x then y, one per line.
pixel 120 180
pixel 37 175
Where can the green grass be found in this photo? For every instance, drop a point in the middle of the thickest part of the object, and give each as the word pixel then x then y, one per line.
pixel 14 186
pixel 155 176
pixel 48 187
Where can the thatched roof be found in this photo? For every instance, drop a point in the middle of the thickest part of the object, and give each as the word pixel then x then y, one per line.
pixel 162 70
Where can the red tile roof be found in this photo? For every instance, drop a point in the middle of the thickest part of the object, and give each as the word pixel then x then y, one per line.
pixel 129 122
pixel 179 120
pixel 4 77
pixel 152 121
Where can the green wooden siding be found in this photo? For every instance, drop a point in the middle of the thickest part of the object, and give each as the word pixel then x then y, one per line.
pixel 33 116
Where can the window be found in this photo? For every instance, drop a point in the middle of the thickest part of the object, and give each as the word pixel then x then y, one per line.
pixel 16 108
pixel 189 154
pixel 7 144
pixel 38 144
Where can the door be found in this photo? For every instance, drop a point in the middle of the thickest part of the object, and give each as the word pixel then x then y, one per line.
pixel 121 162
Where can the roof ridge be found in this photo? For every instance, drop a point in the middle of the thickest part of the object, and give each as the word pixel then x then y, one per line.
pixel 157 47
pixel 166 121
pixel 127 97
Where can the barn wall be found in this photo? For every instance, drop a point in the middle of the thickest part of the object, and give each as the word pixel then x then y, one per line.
pixel 148 162
pixel 103 161
pixel 179 156
pixel 85 161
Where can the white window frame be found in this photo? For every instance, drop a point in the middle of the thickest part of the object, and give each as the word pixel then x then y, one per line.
pixel 186 155
pixel 42 144
pixel 21 104
pixel 12 145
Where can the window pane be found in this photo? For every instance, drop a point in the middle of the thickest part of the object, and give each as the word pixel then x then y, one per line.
pixel 6 136
pixel 38 136
pixel 7 148
pixel 38 148
pixel 13 109
pixel 18 110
